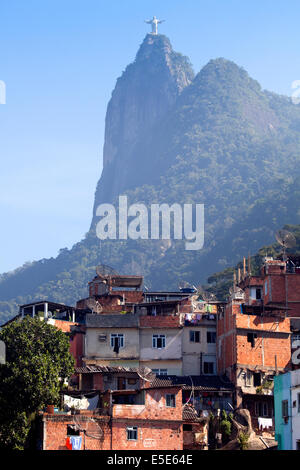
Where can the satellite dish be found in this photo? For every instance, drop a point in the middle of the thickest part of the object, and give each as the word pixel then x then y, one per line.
pixel 236 293
pixel 96 431
pixel 286 239
pixel 104 271
pixel 94 305
pixel 145 373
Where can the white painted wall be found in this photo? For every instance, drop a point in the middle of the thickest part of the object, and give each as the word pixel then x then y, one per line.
pixel 295 390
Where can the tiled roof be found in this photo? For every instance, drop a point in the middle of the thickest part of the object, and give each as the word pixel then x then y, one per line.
pixel 162 382
pixel 189 413
pixel 126 320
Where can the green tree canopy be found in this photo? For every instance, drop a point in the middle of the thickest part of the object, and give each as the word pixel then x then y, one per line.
pixel 37 363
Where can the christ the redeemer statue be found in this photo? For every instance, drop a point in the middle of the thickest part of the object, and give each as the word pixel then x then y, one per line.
pixel 154 22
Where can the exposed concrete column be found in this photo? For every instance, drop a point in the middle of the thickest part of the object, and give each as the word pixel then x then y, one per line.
pixel 22 312
pixel 45 310
pixel 33 311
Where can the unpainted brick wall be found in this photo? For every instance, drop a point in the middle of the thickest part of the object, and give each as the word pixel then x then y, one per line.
pixel 152 435
pixel 55 433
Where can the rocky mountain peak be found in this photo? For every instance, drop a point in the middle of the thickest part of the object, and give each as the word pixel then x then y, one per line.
pixel 143 95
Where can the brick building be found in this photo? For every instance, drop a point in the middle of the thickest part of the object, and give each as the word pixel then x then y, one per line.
pixel 154 419
pixel 169 332
pixel 113 293
pixel 253 341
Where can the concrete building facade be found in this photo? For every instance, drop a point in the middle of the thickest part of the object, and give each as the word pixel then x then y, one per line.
pixel 287 410
pixel 253 345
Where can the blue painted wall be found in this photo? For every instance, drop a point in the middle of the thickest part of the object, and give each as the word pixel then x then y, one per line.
pixel 282 391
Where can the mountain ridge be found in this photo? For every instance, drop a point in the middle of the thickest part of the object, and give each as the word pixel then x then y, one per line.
pixel 216 139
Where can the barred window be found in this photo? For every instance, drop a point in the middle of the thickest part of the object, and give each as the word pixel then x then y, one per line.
pixel 117 338
pixel 159 341
pixel 132 433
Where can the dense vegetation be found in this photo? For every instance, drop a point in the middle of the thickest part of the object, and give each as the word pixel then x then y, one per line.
pixel 219 283
pixel 224 143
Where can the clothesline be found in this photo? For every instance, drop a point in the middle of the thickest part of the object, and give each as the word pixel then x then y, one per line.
pixel 265 423
pixel 194 318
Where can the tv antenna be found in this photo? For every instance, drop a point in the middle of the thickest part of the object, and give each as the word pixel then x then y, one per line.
pixel 104 271
pixel 286 239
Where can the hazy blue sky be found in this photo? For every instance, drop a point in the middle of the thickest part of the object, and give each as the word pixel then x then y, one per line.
pixel 60 61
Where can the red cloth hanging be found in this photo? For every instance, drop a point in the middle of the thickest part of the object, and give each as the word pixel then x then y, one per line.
pixel 68 444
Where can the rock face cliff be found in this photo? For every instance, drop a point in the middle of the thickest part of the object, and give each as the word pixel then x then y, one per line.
pixel 143 95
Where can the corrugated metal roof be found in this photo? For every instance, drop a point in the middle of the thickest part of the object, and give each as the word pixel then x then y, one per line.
pixel 198 382
pixel 89 369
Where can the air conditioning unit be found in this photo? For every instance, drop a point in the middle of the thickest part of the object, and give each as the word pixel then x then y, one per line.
pixel 102 338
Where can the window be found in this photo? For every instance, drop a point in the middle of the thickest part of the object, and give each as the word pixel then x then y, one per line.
pixel 160 371
pixel 158 341
pixel 285 408
pixel 187 427
pixel 266 288
pixel 117 338
pixel 298 398
pixel 102 338
pixel 251 339
pixel 116 342
pixel 248 378
pixel 170 401
pixel 153 311
pixel 211 336
pixel 195 336
pixel 255 293
pixel 265 409
pixel 132 433
pixel 256 379
pixel 261 408
pixel 208 367
pixel 71 431
pixel 258 294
